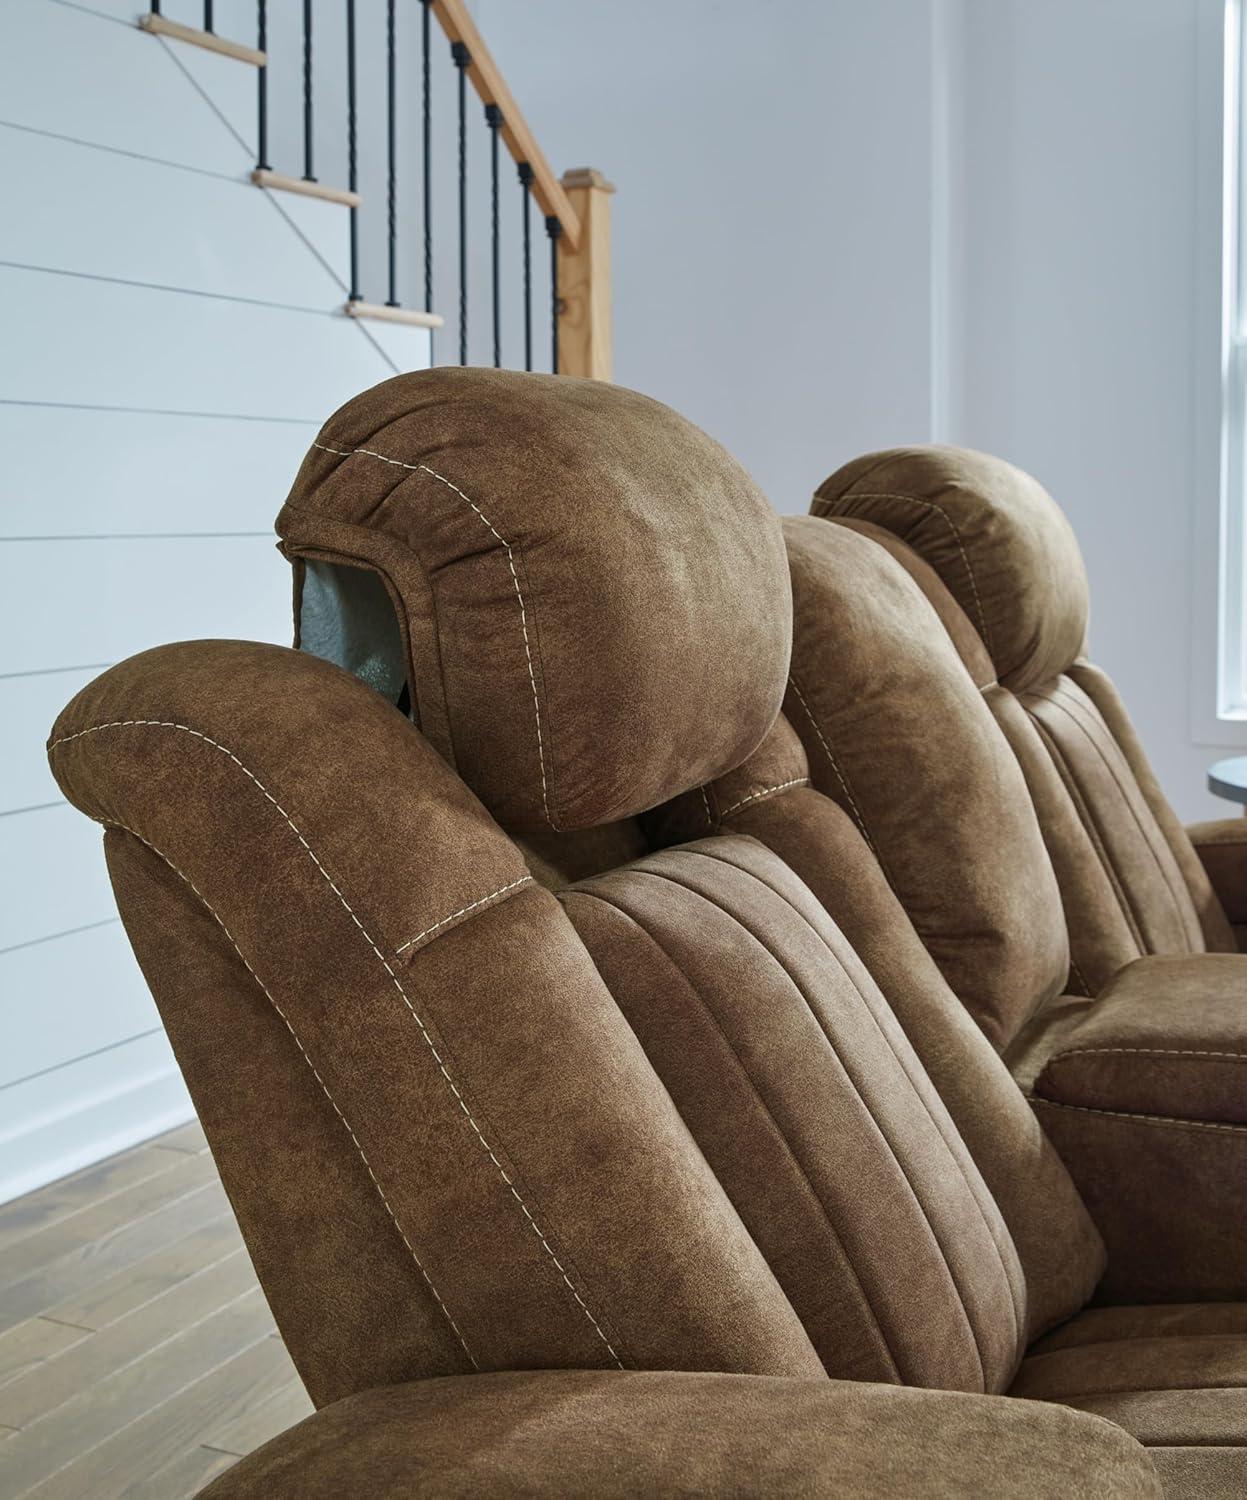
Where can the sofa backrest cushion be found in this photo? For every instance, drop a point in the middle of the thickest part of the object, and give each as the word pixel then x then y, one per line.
pixel 583 583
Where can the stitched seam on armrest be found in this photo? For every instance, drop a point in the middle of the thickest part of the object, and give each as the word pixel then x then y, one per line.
pixel 454 1088
pixel 1146 1052
pixel 462 912
pixel 768 791
pixel 437 1297
pixel 1121 1114
pixel 515 579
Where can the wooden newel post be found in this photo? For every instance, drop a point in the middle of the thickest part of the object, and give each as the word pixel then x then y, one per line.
pixel 585 279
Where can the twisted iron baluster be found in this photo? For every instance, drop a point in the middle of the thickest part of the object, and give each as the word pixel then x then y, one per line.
pixel 526 177
pixel 308 174
pixel 462 58
pixel 493 118
pixel 554 229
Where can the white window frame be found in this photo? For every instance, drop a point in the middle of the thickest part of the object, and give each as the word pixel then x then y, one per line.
pixel 1218 482
pixel 1232 590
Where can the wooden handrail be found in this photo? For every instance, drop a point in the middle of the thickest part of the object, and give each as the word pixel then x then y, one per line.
pixel 520 141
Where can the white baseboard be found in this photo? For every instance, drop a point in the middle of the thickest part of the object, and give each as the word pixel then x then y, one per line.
pixel 82 1119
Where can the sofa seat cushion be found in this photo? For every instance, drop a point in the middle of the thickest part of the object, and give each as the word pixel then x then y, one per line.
pixel 1170 1375
pixel 613 1435
pixel 1175 1377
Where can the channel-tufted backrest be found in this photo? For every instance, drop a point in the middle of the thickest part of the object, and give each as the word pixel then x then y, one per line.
pixel 999 562
pixel 666 1118
pixel 772 800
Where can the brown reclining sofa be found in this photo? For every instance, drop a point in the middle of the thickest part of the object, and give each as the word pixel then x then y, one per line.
pixel 942 692
pixel 598 1120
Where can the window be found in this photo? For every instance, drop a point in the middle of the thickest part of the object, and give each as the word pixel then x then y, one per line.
pixel 1232 653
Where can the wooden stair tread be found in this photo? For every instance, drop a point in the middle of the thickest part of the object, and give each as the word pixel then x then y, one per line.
pixel 385 314
pixel 265 177
pixel 163 26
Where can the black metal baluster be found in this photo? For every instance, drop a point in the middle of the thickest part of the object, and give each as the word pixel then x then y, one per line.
pixel 390 139
pixel 462 58
pixel 526 177
pixel 493 118
pixel 308 174
pixel 352 147
pixel 428 163
pixel 208 16
pixel 554 229
pixel 261 129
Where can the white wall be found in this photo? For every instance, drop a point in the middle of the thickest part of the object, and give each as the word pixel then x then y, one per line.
pixel 171 341
pixel 1090 223
pixel 844 225
pixel 773 227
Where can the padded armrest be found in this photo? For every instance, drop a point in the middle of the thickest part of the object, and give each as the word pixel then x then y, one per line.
pixel 607 1434
pixel 1167 1036
pixel 1222 849
pixel 1146 1101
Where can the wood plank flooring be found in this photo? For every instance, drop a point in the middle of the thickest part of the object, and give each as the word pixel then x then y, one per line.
pixel 138 1357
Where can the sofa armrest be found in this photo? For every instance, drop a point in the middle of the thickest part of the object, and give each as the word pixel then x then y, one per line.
pixel 609 1434
pixel 1222 848
pixel 1167 1036
pixel 1146 1101
pixel 361 981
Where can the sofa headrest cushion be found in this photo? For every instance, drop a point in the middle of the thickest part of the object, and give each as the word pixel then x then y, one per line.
pixel 592 595
pixel 996 538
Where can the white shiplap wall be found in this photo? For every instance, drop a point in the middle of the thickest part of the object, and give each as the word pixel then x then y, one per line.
pixel 171 338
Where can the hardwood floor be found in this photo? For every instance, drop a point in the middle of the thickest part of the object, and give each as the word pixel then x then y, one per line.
pixel 138 1357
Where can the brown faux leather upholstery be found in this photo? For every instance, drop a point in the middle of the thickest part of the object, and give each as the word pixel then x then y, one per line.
pixel 714 1437
pixel 563 1026
pixel 1131 882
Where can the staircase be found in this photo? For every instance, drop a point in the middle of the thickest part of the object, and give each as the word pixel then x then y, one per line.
pixel 174 336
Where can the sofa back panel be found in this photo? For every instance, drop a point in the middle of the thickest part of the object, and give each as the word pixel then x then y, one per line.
pixel 897 732
pixel 954 619
pixel 1218 936
pixel 810 1104
pixel 1002 547
pixel 1060 1250
pixel 542 1221
pixel 1127 839
pixel 1102 935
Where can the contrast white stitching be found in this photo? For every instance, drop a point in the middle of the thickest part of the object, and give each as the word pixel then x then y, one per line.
pixel 437 1297
pixel 462 912
pixel 705 802
pixel 168 724
pixel 834 764
pixel 1146 1052
pixel 1121 1114
pixel 766 791
pixel 515 579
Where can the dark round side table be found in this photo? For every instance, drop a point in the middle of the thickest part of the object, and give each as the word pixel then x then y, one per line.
pixel 1228 779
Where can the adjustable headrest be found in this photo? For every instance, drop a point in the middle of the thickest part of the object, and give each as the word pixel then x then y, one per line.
pixel 995 537
pixel 588 597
